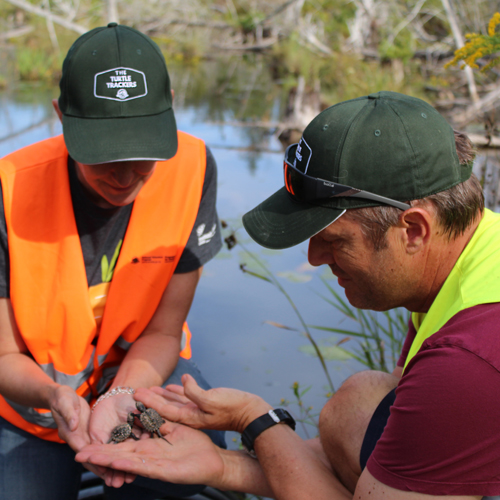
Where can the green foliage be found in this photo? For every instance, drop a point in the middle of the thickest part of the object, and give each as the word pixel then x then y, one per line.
pixel 303 414
pixel 333 15
pixel 402 47
pixel 265 274
pixel 379 336
pixel 347 76
pixel 35 64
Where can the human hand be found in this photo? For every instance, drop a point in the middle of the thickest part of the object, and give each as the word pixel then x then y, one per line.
pixel 193 458
pixel 71 414
pixel 109 413
pixel 218 409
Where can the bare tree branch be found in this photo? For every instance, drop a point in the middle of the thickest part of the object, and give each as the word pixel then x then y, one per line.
pixel 16 32
pixel 113 12
pixel 22 4
pixel 405 22
pixel 50 27
pixel 483 105
pixel 459 41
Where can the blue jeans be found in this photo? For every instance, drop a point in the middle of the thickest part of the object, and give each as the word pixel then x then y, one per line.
pixel 34 469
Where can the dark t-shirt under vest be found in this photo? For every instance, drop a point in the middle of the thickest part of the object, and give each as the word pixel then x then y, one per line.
pixel 102 230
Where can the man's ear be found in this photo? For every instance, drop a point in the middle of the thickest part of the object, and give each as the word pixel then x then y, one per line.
pixel 417 225
pixel 55 104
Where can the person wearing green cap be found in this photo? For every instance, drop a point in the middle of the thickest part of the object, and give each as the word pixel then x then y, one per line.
pixel 103 234
pixel 383 188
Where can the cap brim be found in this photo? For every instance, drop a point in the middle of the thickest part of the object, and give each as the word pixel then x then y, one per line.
pixel 281 222
pixel 102 140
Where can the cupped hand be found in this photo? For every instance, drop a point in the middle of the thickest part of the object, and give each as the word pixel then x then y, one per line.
pixel 218 409
pixel 106 416
pixel 191 459
pixel 71 414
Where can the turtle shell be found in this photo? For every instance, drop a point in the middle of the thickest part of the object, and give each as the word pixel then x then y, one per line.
pixel 120 433
pixel 151 420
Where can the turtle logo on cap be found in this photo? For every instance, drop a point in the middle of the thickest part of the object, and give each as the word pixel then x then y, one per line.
pixel 120 84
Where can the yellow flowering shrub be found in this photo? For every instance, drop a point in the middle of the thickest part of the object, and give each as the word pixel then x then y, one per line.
pixel 478 46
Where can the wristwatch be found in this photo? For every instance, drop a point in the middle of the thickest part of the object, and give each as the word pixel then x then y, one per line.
pixel 259 425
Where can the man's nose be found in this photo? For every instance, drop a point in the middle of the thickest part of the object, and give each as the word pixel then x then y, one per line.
pixel 319 252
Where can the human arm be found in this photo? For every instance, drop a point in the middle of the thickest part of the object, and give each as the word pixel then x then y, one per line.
pixel 286 461
pixel 139 368
pixel 193 458
pixel 24 382
pixel 150 360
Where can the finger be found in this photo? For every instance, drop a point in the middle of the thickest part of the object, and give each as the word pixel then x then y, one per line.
pixel 96 469
pixel 118 479
pixel 159 403
pixel 131 463
pixel 193 391
pixel 177 399
pixel 176 395
pixel 129 478
pixel 68 408
pixel 103 457
pixel 108 477
pixel 173 388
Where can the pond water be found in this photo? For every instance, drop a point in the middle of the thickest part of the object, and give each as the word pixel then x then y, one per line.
pixel 233 345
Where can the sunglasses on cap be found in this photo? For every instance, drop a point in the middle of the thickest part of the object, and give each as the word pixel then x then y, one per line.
pixel 303 187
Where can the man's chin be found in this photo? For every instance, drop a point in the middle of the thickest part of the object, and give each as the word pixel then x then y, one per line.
pixel 364 302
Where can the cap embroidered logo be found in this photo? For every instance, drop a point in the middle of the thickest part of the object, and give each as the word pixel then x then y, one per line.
pixel 120 84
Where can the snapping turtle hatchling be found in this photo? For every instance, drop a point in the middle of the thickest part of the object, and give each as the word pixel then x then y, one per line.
pixel 150 420
pixel 123 431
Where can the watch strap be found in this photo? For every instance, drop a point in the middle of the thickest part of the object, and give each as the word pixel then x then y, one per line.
pixel 260 424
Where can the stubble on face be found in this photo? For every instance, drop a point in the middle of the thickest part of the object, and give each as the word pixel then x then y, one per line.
pixel 372 279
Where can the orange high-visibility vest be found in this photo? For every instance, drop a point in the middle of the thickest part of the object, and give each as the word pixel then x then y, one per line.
pixel 48 283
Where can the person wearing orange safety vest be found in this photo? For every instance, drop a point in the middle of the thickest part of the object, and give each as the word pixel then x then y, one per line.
pixel 104 233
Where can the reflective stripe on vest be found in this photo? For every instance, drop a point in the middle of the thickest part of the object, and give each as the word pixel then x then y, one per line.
pixel 49 291
pixel 473 280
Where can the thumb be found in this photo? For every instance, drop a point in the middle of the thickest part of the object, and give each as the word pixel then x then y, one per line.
pixel 69 410
pixel 193 391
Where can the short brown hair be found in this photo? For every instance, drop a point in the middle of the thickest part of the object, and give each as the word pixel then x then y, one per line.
pixel 457 208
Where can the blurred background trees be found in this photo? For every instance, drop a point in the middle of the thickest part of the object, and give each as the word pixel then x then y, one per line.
pixel 320 51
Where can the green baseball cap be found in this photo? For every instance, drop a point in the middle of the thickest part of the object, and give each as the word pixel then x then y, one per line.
pixel 115 98
pixel 352 154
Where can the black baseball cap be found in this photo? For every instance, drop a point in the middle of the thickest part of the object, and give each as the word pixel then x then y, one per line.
pixel 388 144
pixel 116 99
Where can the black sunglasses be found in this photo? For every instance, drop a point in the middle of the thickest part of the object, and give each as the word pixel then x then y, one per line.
pixel 306 188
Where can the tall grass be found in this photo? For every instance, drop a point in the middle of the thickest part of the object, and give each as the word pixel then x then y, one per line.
pixel 378 336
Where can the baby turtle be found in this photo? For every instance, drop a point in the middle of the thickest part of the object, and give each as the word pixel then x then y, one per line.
pixel 123 431
pixel 150 419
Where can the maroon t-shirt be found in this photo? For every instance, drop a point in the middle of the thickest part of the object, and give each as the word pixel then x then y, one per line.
pixel 443 434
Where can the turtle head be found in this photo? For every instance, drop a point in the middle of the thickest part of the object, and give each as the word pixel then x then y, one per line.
pixel 140 406
pixel 130 419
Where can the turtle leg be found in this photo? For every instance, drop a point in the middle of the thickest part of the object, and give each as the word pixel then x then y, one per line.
pixel 133 436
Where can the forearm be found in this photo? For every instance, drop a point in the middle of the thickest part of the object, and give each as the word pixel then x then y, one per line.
pixel 149 362
pixel 293 469
pixel 243 473
pixel 24 382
